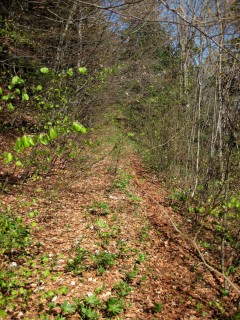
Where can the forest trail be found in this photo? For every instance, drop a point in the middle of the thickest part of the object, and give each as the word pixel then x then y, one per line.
pixel 100 235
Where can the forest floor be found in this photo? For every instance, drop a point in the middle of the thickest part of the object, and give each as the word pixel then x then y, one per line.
pixel 103 245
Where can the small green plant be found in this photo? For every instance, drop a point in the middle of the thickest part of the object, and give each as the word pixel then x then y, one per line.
pixel 135 199
pixel 3 314
pixel 44 258
pixel 131 274
pixel 13 285
pixel 219 307
pixel 144 233
pixel 236 316
pixel 92 300
pixel 51 306
pixel 76 265
pixel 100 289
pixel 100 208
pixel 64 290
pixel 50 294
pixel 87 306
pixel 14 235
pixel 177 198
pixel 122 180
pixel 101 223
pixel 89 314
pixel 122 289
pixel 141 257
pixel 67 307
pixel 103 260
pixel 113 306
pixel 106 236
pixel 158 306
pixel 122 246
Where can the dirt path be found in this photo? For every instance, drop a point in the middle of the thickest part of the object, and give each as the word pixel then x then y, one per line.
pixel 100 237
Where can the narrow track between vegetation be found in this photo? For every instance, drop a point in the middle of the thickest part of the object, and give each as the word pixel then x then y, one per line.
pixel 103 249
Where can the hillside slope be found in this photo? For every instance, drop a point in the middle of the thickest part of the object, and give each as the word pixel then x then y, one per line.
pixel 103 246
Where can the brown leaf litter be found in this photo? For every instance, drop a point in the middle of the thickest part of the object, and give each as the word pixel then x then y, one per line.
pixel 88 209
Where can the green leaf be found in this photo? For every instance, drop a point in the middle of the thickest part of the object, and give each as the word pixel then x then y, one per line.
pixel 27 141
pixel 51 294
pixel 25 97
pixel 82 70
pixel 18 163
pixel 46 272
pixel 8 157
pixel 10 107
pixel 31 214
pixel 53 134
pixel 22 291
pixel 78 127
pixel 38 88
pixel 17 80
pixel 43 139
pixel 70 72
pixel 1 91
pixel 64 290
pixel 17 91
pixel 5 98
pixel 18 145
pixel 44 70
pixel 3 314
